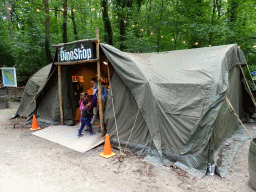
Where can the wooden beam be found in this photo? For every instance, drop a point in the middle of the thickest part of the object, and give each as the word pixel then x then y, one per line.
pixel 60 93
pixel 74 42
pixel 99 83
pixel 76 62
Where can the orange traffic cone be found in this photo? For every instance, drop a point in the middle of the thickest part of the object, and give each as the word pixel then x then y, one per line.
pixel 34 124
pixel 107 153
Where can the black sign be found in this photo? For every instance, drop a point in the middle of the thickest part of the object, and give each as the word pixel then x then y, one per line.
pixel 76 52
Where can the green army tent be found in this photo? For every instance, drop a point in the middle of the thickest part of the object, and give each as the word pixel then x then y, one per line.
pixel 41 96
pixel 175 98
pixel 179 98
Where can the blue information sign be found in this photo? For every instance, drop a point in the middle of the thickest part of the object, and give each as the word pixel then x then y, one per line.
pixel 254 72
pixel 9 76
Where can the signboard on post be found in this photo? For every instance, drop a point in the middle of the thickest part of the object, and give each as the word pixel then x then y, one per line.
pixel 76 52
pixel 9 76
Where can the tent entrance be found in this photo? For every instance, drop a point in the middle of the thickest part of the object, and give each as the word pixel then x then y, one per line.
pixel 75 53
pixel 81 76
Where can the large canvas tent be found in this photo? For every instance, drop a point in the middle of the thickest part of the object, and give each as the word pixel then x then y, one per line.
pixel 175 99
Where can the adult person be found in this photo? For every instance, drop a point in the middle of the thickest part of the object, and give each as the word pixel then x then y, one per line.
pixel 94 97
pixel 78 89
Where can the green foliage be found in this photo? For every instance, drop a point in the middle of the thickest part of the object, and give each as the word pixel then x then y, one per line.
pixel 6 57
pixel 137 26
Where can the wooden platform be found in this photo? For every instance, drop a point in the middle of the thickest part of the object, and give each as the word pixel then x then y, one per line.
pixel 68 136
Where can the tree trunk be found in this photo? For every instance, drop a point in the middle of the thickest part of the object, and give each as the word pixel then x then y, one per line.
pixel 9 18
pixel 232 17
pixel 159 27
pixel 108 35
pixel 219 7
pixel 122 32
pixel 212 23
pixel 64 25
pixel 122 26
pixel 232 7
pixel 56 12
pixel 123 18
pixel 150 8
pixel 74 23
pixel 47 32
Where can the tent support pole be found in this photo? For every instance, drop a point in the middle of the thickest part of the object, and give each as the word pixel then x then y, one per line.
pixel 60 93
pixel 99 83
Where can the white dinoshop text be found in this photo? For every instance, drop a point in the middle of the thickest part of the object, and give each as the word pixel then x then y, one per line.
pixel 76 54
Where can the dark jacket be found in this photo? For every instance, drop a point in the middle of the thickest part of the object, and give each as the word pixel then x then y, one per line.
pixel 86 112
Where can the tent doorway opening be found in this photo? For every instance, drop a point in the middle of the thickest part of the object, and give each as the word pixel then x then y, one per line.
pixel 81 76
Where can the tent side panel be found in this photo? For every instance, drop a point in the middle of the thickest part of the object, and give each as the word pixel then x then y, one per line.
pixel 33 87
pixel 26 107
pixel 49 102
pixel 226 123
pixel 126 110
pixel 132 76
pixel 48 106
pixel 195 155
pixel 69 102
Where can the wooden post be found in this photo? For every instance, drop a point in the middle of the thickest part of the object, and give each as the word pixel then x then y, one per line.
pixel 99 83
pixel 60 93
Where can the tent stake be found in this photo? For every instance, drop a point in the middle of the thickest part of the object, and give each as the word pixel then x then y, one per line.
pixel 60 93
pixel 99 83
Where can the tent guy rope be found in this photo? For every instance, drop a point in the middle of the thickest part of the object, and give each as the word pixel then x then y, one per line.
pixel 251 75
pixel 121 155
pixel 252 97
pixel 132 129
pixel 112 100
pixel 235 114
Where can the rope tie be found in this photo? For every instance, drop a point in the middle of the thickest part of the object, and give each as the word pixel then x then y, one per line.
pixel 235 114
pixel 253 100
pixel 121 155
pixel 132 129
pixel 251 76
pixel 112 100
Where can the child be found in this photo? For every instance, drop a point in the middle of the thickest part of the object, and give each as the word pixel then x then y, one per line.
pixel 82 98
pixel 85 118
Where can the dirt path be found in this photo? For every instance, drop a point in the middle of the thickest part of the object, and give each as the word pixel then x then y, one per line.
pixel 33 164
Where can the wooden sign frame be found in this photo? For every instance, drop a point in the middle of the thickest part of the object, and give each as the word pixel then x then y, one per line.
pixel 59 63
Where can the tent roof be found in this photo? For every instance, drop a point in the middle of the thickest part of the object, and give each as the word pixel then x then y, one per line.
pixel 191 66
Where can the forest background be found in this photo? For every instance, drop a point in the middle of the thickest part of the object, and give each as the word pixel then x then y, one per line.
pixel 29 28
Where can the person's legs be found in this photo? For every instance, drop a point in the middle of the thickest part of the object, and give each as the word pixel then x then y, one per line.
pixel 83 123
pixel 95 111
pixel 88 123
pixel 86 128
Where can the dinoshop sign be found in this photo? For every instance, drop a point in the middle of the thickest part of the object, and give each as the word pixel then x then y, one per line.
pixel 76 52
